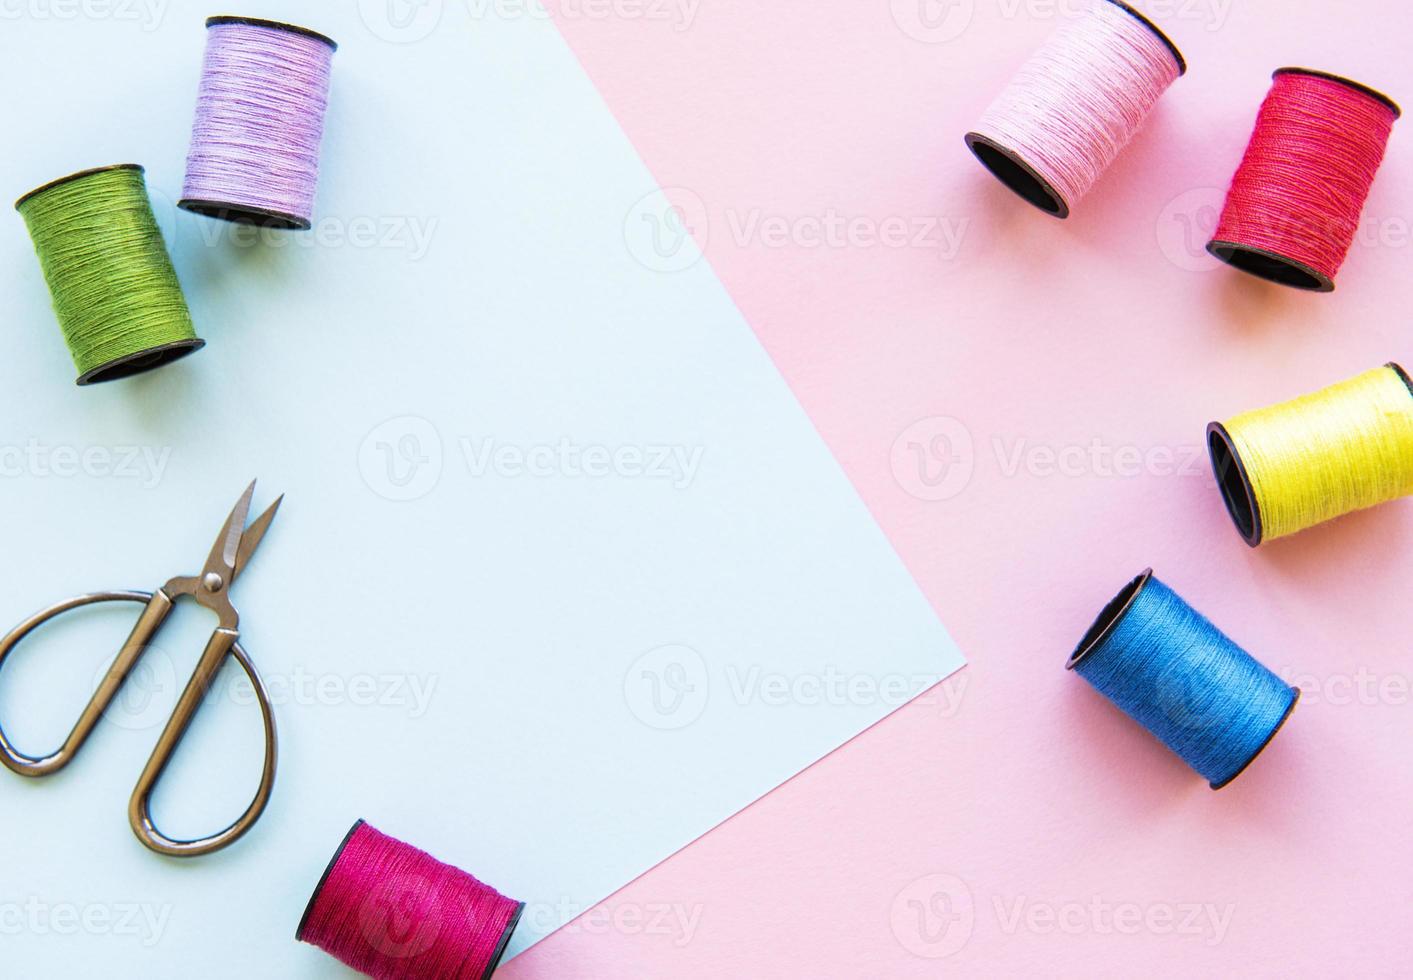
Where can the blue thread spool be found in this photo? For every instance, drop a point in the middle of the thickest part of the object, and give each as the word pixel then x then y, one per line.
pixel 1180 677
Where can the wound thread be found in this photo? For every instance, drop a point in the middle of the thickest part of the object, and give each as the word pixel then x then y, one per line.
pixel 260 109
pixel 1291 466
pixel 1294 206
pixel 1169 669
pixel 393 912
pixel 1075 105
pixel 114 290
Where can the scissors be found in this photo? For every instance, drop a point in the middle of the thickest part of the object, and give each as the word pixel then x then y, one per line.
pixel 228 559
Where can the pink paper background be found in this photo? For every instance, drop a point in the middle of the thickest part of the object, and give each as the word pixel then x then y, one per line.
pixel 1036 794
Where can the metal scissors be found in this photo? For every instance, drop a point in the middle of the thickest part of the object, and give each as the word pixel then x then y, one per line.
pixel 210 588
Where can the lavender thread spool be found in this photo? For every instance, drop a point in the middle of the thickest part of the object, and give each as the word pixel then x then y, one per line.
pixel 254 155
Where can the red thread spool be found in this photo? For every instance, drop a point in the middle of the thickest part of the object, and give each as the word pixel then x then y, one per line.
pixel 393 912
pixel 1294 205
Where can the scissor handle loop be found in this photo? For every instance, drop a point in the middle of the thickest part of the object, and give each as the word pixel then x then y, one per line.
pixel 46 765
pixel 159 605
pixel 223 642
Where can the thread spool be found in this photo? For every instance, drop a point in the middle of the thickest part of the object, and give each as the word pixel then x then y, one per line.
pixel 1169 669
pixel 1294 206
pixel 254 155
pixel 115 293
pixel 1075 105
pixel 1294 465
pixel 393 912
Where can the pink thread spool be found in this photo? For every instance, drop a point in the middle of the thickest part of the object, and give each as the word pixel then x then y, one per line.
pixel 393 912
pixel 254 154
pixel 1075 105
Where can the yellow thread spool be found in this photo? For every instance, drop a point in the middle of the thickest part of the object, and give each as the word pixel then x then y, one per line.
pixel 1291 466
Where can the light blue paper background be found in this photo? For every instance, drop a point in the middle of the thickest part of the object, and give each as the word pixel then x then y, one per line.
pixel 552 679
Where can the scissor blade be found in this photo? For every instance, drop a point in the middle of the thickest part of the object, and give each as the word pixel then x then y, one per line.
pixel 251 539
pixel 223 552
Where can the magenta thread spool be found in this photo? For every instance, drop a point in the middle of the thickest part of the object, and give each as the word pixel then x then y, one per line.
pixel 254 155
pixel 393 912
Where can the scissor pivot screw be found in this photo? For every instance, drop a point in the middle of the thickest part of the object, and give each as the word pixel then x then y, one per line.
pixel 213 582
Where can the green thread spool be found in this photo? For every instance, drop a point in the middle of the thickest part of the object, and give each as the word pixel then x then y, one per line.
pixel 115 292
